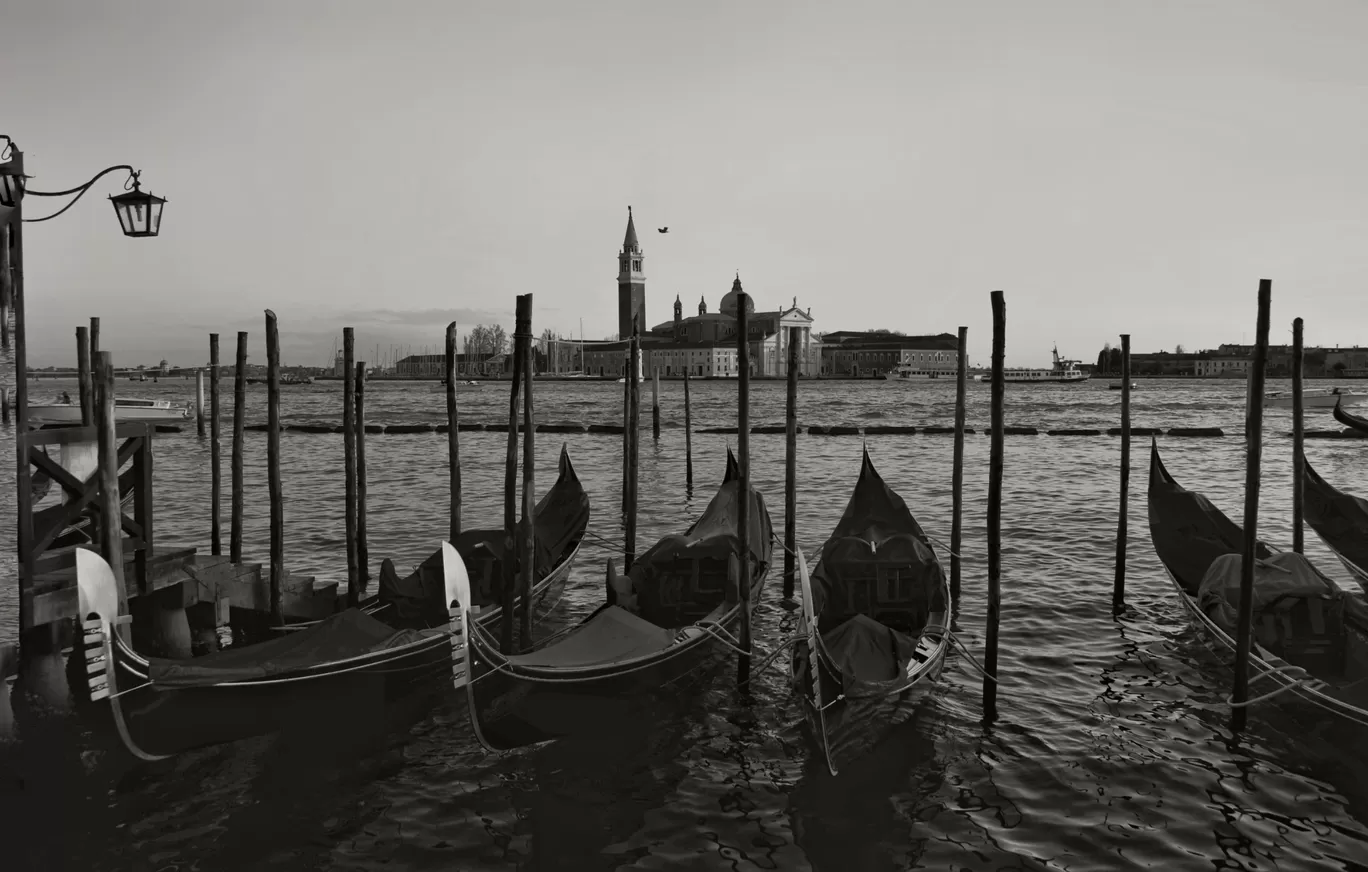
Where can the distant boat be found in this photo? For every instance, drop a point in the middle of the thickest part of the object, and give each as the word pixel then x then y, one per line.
pixel 1315 398
pixel 908 372
pixel 126 410
pixel 1062 372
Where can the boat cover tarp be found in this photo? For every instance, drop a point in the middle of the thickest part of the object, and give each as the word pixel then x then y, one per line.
pixel 877 530
pixel 863 648
pixel 347 634
pixel 1189 532
pixel 614 634
pixel 1340 519
pixel 1286 573
pixel 561 517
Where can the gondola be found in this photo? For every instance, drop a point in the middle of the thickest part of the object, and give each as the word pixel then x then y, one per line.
pixel 663 621
pixel 875 612
pixel 321 677
pixel 1353 422
pixel 1340 520
pixel 415 601
pixel 1310 637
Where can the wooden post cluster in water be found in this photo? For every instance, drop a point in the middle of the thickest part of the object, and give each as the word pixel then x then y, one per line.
pixel 349 458
pixel 1119 582
pixel 216 477
pixel 1253 449
pixel 995 511
pixel 273 464
pixel 791 466
pixel 362 550
pixel 239 411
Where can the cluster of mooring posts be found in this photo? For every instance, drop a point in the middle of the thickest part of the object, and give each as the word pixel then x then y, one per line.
pixel 169 593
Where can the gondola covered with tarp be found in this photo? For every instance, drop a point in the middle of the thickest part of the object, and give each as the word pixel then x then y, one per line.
pixel 1310 636
pixel 1340 520
pixel 161 706
pixel 561 517
pixel 665 620
pixel 874 623
pixel 1353 422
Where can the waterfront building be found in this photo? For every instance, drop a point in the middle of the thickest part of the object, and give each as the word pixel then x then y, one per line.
pixel 876 352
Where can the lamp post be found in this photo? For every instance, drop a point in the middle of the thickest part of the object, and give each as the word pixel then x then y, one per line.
pixel 139 215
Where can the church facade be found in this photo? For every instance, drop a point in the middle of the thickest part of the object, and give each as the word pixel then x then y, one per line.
pixel 703 344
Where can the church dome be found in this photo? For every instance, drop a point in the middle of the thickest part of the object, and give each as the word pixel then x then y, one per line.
pixel 728 306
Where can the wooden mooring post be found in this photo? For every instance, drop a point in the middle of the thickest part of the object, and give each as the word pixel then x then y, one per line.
pixel 215 460
pixel 1253 449
pixel 362 549
pixel 349 458
pixel 995 511
pixel 110 528
pixel 277 496
pixel 633 447
pixel 239 423
pixel 791 466
pixel 1298 440
pixel 743 583
pixel 4 406
pixel 1122 519
pixel 688 438
pixel 453 435
pixel 529 521
pixel 655 403
pixel 626 425
pixel 94 338
pixel 508 581
pixel 957 467
pixel 199 402
pixel 85 380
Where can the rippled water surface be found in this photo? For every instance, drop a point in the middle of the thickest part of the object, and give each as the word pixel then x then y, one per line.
pixel 1111 751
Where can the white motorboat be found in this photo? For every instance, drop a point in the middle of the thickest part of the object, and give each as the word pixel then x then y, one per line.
pixel 1313 398
pixel 908 372
pixel 1062 372
pixel 126 410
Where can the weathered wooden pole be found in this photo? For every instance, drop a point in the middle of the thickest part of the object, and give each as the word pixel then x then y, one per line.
pixel 743 461
pixel 85 381
pixel 626 424
pixel 4 406
pixel 633 449
pixel 655 404
pixel 1253 450
pixel 349 458
pixel 1298 439
pixel 111 512
pixel 362 550
pixel 94 337
pixel 957 467
pixel 1122 521
pixel 791 467
pixel 199 402
pixel 529 521
pixel 688 437
pixel 12 272
pixel 995 511
pixel 215 461
pixel 508 582
pixel 453 434
pixel 239 418
pixel 277 495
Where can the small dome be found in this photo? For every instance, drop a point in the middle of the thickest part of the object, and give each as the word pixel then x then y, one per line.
pixel 728 306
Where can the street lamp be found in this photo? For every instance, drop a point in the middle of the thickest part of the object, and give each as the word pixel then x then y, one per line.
pixel 139 214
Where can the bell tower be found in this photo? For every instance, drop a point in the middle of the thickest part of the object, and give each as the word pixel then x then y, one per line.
pixel 678 320
pixel 631 283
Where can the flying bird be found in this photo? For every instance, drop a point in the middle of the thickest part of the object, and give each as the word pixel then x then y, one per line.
pixel 664 230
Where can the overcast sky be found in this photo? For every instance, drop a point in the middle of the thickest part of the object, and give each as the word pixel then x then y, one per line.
pixel 1113 167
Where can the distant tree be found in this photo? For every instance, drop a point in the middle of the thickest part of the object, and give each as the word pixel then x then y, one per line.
pixel 1179 349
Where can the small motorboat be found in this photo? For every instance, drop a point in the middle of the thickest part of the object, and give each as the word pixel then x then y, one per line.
pixel 1313 398
pixel 126 410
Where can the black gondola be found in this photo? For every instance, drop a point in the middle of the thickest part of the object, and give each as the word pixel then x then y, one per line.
pixel 1340 520
pixel 664 620
pixel 875 612
pixel 1310 636
pixel 1353 422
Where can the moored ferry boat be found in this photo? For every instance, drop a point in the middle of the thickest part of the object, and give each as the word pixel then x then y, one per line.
pixel 1062 372
pixel 908 372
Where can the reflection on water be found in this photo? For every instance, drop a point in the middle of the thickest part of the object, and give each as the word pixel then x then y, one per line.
pixel 1112 749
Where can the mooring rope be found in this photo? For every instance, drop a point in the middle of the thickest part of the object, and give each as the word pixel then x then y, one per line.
pixel 1294 680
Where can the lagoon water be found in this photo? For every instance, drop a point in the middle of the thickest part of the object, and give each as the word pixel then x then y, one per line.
pixel 1111 751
